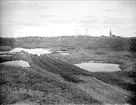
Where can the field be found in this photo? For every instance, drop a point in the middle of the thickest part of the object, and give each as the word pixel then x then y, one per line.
pixel 53 78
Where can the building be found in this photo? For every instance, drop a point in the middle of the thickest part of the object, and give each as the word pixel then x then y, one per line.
pixel 111 35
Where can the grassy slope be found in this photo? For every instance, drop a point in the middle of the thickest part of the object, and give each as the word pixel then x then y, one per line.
pixel 52 81
pixel 125 79
pixel 121 79
pixel 74 42
pixel 39 86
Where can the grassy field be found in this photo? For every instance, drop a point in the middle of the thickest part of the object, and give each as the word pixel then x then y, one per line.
pixel 52 81
pixel 53 78
pixel 38 85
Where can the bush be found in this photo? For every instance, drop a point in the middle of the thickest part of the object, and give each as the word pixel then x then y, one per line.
pixel 7 42
pixel 5 48
pixel 100 51
pixel 132 45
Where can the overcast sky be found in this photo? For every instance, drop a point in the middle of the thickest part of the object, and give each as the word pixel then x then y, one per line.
pixel 19 18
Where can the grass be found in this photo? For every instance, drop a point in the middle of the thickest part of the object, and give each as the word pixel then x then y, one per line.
pixel 54 79
pixel 5 48
pixel 116 79
pixel 71 78
pixel 124 79
pixel 40 86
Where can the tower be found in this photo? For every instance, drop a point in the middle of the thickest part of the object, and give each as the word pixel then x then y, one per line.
pixel 77 32
pixel 110 34
pixel 86 32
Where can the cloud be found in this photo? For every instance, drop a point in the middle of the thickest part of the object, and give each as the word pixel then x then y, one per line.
pixel 109 10
pixel 118 22
pixel 16 14
pixel 65 21
pixel 89 19
pixel 22 5
pixel 20 23
pixel 90 22
pixel 106 21
pixel 47 16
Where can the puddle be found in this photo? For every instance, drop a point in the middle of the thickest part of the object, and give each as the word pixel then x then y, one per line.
pixel 60 51
pixel 64 53
pixel 99 67
pixel 5 55
pixel 19 63
pixel 3 52
pixel 37 51
pixel 117 104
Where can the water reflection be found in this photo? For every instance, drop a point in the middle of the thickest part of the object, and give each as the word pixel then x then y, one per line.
pixel 37 51
pixel 99 67
pixel 4 55
pixel 20 63
pixel 64 53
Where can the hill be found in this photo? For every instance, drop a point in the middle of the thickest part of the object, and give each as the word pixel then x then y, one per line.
pixel 54 79
pixel 109 43
pixel 51 81
pixel 118 43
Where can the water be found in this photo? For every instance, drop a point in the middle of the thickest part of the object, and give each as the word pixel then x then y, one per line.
pixel 117 104
pixel 3 52
pixel 64 53
pixel 99 67
pixel 19 63
pixel 4 55
pixel 37 51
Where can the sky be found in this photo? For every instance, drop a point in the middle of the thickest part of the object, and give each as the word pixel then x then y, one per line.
pixel 20 18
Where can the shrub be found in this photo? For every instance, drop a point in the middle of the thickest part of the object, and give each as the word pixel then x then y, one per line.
pixel 5 48
pixel 132 45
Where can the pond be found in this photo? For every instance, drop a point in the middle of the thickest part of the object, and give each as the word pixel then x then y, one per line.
pixel 3 52
pixel 99 67
pixel 37 51
pixel 4 55
pixel 19 63
pixel 64 53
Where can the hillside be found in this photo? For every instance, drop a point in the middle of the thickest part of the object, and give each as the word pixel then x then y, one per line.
pixel 75 42
pixel 88 42
pixel 53 78
pixel 51 81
